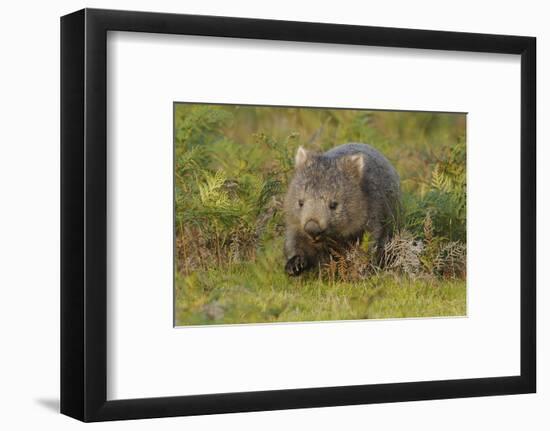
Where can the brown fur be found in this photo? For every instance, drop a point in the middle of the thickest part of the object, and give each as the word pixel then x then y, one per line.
pixel 334 198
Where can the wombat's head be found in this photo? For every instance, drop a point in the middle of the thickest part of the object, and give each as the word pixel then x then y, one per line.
pixel 325 199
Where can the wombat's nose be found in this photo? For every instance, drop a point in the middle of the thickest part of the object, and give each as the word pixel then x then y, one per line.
pixel 313 228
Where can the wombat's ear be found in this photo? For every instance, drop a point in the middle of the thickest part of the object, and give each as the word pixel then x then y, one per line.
pixel 301 157
pixel 354 164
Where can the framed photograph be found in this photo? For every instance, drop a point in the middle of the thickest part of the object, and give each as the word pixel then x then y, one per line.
pixel 261 215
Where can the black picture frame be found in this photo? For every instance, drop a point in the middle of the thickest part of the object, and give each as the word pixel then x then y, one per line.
pixel 84 214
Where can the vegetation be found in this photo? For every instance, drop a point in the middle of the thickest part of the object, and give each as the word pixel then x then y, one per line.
pixel 232 168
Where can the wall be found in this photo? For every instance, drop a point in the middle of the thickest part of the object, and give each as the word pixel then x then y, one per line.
pixel 29 228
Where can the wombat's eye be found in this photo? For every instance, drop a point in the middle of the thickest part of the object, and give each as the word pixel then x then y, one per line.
pixel 333 205
pixel 301 203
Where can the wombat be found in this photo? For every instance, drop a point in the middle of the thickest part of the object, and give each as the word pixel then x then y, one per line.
pixel 334 198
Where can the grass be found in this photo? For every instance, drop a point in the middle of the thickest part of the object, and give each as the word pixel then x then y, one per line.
pixel 260 292
pixel 232 168
pixel 223 298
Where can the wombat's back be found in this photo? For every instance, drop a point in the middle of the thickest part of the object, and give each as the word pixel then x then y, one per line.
pixel 380 180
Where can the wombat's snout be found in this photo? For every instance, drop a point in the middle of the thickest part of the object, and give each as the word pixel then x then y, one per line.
pixel 313 229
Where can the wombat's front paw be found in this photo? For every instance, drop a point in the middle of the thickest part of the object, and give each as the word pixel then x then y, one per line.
pixel 295 265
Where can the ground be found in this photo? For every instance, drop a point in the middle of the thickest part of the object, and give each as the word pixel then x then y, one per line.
pixel 262 292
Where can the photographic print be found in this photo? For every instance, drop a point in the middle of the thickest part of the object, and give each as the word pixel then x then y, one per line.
pixel 297 214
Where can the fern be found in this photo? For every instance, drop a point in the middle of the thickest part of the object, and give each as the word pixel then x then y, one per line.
pixel 233 166
pixel 210 191
pixel 440 181
pixel 201 125
pixel 444 200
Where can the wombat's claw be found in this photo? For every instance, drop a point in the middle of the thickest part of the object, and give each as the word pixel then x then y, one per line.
pixel 295 265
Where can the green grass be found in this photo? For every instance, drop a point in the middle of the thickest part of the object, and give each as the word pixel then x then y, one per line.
pixel 230 295
pixel 256 292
